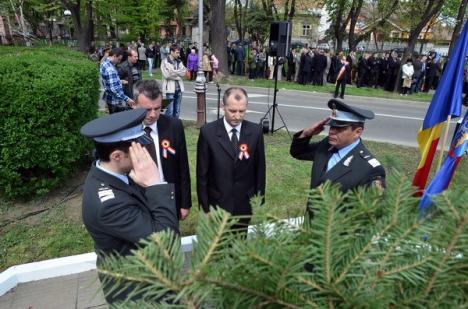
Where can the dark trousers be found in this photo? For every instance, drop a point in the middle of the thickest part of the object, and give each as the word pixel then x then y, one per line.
pixel 240 67
pixel 342 84
pixel 233 68
pixel 291 72
pixel 117 108
pixel 318 78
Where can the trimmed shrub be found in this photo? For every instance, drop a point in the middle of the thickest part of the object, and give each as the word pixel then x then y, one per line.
pixel 47 94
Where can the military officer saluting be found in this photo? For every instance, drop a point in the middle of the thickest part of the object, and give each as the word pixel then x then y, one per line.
pixel 124 199
pixel 341 157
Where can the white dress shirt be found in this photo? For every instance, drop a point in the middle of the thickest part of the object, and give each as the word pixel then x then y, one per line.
pixel 229 129
pixel 155 136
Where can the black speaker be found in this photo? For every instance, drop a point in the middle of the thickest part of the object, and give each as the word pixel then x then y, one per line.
pixel 280 38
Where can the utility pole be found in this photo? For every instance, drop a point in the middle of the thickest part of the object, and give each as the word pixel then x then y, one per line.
pixel 200 81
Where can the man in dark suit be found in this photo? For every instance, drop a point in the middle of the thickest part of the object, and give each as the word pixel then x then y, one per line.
pixel 231 159
pixel 342 77
pixel 341 157
pixel 124 199
pixel 170 149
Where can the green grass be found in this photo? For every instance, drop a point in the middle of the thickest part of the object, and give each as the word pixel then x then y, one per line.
pixel 56 234
pixel 330 88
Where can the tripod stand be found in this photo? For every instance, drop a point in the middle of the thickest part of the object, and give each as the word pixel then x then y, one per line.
pixel 273 109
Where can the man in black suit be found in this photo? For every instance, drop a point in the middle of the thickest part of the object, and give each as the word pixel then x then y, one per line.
pixel 124 199
pixel 341 157
pixel 170 149
pixel 231 159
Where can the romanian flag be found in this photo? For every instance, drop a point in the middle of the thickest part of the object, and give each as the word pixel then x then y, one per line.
pixel 441 180
pixel 446 101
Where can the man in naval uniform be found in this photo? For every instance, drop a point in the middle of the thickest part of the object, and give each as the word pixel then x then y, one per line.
pixel 341 157
pixel 124 200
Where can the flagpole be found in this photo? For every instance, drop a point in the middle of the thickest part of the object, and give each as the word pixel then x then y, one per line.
pixel 444 141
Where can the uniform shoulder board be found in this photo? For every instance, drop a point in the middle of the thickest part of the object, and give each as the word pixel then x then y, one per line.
pixel 370 159
pixel 105 193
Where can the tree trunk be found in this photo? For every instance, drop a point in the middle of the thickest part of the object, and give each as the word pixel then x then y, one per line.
pixel 218 34
pixel 238 18
pixel 456 30
pixel 84 33
pixel 337 30
pixel 354 14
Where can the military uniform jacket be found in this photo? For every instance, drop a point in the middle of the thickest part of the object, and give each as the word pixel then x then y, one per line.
pixel 118 215
pixel 222 178
pixel 175 166
pixel 357 168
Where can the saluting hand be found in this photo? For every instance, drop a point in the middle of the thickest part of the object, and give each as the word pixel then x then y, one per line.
pixel 144 171
pixel 315 128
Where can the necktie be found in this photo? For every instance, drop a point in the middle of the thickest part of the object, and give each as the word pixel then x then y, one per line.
pixel 234 139
pixel 151 147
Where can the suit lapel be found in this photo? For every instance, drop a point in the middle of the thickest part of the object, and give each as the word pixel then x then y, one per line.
pixel 223 139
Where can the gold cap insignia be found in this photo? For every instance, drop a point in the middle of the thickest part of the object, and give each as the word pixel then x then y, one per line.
pixel 333 110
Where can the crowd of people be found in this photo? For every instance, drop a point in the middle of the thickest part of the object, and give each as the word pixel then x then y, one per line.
pixel 318 67
pixel 306 65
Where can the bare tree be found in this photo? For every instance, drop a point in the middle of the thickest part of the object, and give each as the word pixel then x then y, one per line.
pixel 385 10
pixel 239 17
pixel 218 33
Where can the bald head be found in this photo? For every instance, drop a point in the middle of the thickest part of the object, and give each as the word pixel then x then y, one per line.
pixel 235 94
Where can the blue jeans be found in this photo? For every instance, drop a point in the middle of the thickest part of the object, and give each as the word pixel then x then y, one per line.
pixel 150 66
pixel 173 109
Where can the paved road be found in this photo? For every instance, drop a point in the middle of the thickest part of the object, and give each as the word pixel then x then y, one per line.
pixel 397 121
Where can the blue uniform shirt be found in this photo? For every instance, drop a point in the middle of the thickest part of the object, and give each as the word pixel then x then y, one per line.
pixel 340 154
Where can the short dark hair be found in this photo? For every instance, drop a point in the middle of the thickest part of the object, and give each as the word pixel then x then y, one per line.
pixel 104 150
pixel 149 88
pixel 116 52
pixel 231 91
pixel 356 125
pixel 174 47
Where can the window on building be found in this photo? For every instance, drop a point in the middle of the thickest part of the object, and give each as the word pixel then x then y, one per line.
pixel 306 30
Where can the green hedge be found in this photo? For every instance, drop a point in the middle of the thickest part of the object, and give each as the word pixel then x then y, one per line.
pixel 46 94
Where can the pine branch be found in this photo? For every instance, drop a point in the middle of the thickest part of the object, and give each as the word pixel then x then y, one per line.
pixel 310 284
pixel 268 299
pixel 450 206
pixel 281 281
pixel 448 253
pixel 260 259
pixel 121 276
pixel 221 230
pixel 397 242
pixel 168 283
pixel 404 268
pixel 327 239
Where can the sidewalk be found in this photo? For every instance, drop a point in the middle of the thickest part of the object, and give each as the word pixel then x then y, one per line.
pixel 77 291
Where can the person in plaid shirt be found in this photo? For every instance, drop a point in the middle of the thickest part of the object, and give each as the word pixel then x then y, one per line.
pixel 113 95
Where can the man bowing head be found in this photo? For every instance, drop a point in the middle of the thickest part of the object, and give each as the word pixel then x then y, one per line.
pixel 231 159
